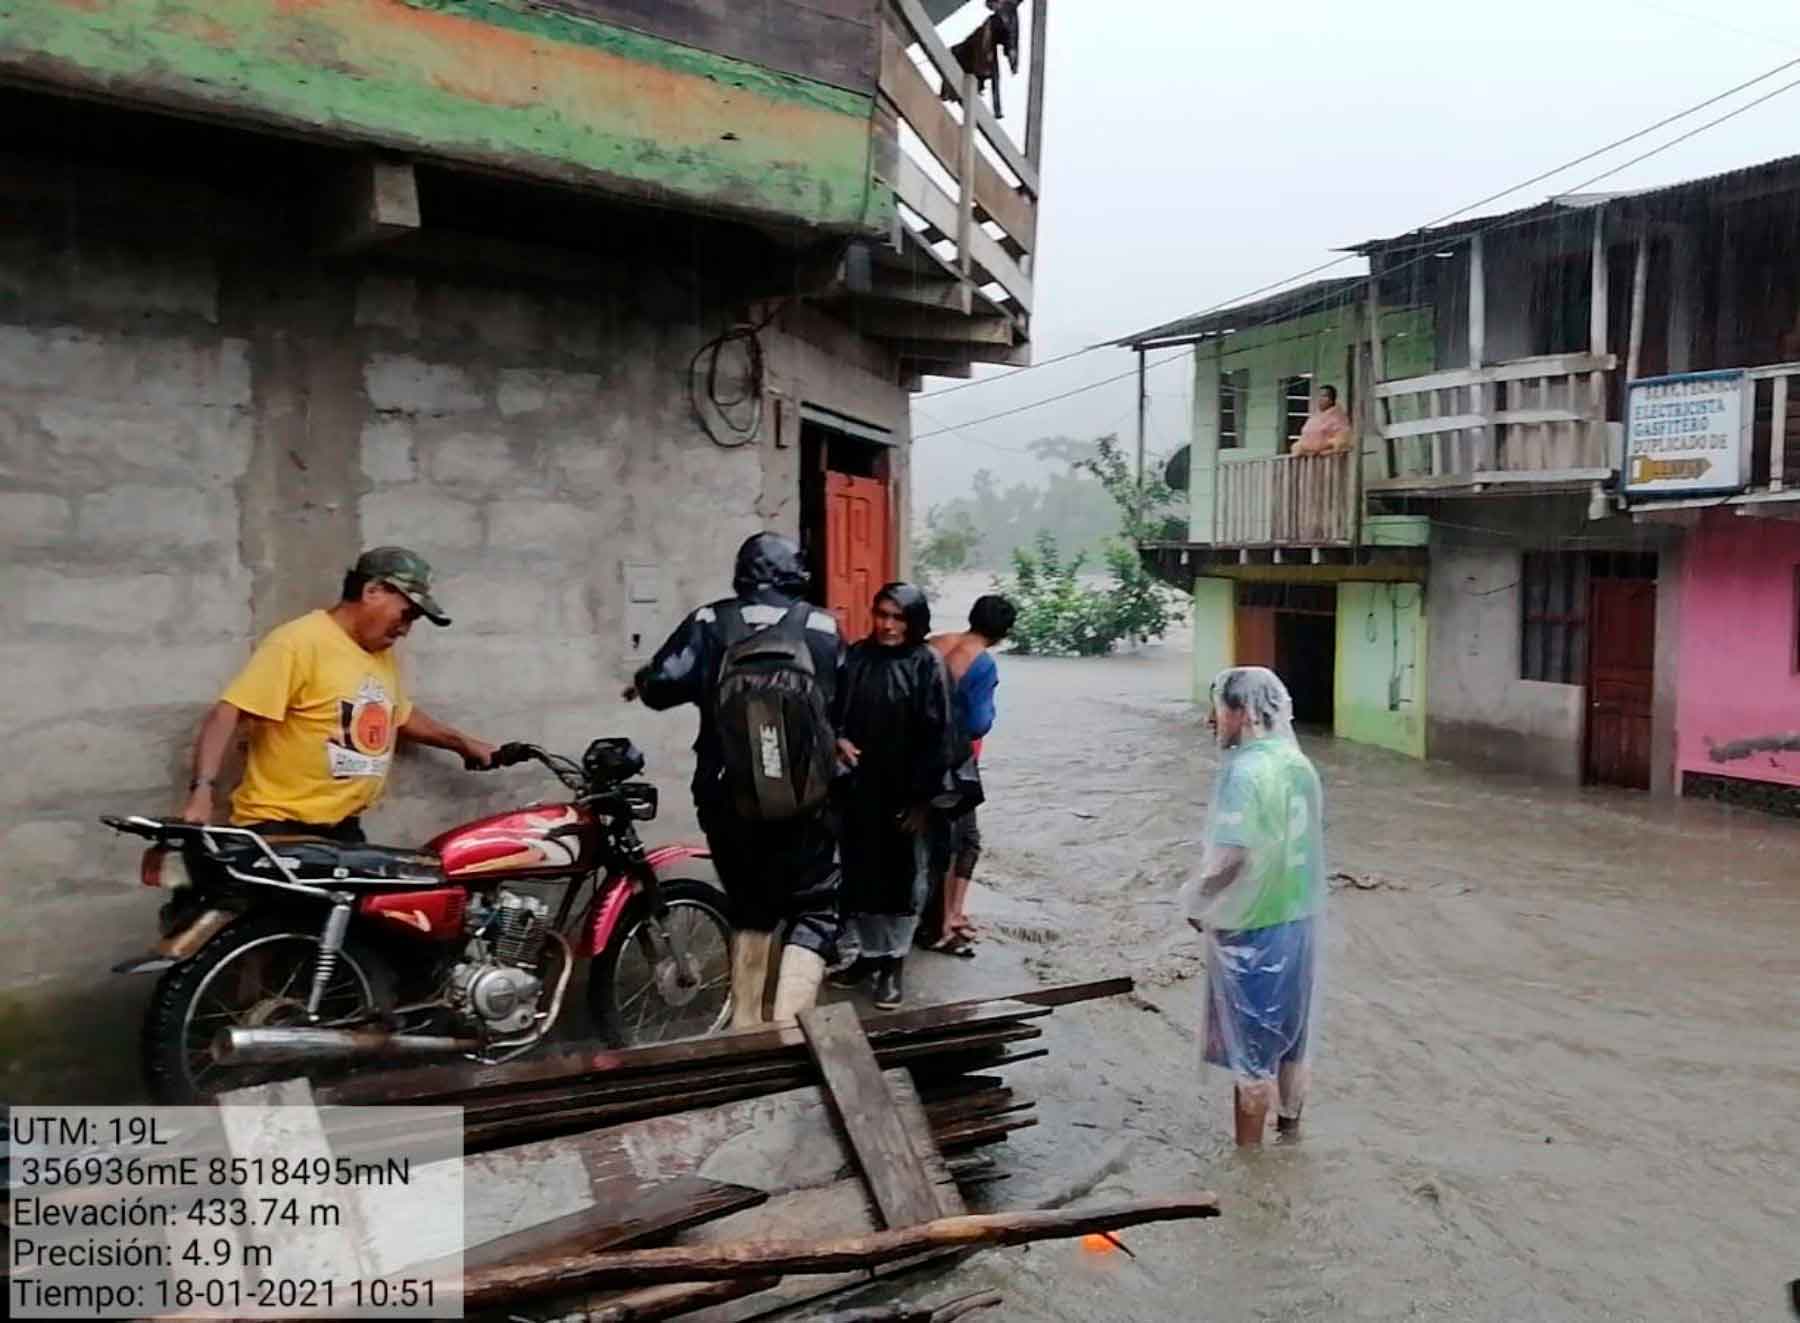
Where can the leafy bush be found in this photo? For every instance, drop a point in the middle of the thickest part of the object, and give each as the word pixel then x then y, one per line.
pixel 1059 616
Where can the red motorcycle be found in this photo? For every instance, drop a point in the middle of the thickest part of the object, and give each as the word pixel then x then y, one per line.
pixel 281 954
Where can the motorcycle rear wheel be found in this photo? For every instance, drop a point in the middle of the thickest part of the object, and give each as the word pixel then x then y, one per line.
pixel 633 1002
pixel 256 972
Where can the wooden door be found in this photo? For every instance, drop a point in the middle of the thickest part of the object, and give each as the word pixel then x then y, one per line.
pixel 1255 636
pixel 1621 667
pixel 858 549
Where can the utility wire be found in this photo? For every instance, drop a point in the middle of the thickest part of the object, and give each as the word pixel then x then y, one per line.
pixel 1539 178
pixel 1497 225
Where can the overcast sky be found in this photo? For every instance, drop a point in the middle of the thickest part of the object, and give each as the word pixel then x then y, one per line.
pixel 1195 151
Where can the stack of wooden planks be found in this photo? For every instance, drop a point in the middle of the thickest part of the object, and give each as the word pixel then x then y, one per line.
pixel 949 1052
pixel 720 1179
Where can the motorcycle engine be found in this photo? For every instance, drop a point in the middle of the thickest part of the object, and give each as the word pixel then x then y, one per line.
pixel 498 984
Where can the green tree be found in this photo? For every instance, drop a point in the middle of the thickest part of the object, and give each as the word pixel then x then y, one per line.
pixel 1061 616
pixel 946 545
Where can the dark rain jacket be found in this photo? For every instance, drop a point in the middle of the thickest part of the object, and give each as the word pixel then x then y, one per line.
pixel 768 579
pixel 894 705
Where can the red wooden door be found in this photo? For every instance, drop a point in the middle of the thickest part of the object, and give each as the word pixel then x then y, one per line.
pixel 1621 667
pixel 1255 630
pixel 858 549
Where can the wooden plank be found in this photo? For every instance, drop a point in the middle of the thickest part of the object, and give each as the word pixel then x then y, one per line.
pixel 465 1082
pixel 886 322
pixel 1432 426
pixel 1034 109
pixel 948 295
pixel 965 181
pixel 829 42
pixel 988 261
pixel 638 1213
pixel 1517 369
pixel 919 26
pixel 942 133
pixel 887 1150
pixel 1536 417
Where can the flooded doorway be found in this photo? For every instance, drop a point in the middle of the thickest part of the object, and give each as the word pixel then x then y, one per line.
pixel 1292 629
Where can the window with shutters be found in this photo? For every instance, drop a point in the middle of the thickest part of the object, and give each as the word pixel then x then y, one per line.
pixel 1553 616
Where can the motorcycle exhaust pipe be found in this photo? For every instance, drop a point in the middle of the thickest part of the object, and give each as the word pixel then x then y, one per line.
pixel 256 1047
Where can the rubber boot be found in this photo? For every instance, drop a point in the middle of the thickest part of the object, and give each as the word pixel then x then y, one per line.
pixel 888 989
pixel 1251 1107
pixel 749 977
pixel 1292 1079
pixel 797 986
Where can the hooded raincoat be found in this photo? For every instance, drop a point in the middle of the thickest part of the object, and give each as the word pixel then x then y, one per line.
pixel 894 706
pixel 1260 894
pixel 773 872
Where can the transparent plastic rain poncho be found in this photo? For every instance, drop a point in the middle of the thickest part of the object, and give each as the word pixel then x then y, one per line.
pixel 1260 895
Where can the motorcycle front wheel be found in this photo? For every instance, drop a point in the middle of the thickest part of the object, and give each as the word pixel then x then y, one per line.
pixel 637 999
pixel 256 973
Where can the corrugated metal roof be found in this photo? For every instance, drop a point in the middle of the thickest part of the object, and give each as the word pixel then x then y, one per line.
pixel 1684 194
pixel 1320 294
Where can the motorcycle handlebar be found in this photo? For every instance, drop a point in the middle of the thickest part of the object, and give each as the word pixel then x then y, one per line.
pixel 507 755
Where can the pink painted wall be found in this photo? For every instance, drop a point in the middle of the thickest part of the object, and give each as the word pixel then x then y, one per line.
pixel 1737 676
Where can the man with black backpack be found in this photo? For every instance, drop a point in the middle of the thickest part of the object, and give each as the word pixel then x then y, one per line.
pixel 762 667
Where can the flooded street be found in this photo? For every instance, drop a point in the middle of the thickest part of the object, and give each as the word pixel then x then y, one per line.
pixel 1560 1057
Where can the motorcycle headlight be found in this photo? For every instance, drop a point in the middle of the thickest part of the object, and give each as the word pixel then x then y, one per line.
pixel 165 868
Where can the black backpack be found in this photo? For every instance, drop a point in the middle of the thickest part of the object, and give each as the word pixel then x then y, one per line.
pixel 773 720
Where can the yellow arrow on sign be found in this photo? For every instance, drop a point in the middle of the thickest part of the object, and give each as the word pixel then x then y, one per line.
pixel 1645 469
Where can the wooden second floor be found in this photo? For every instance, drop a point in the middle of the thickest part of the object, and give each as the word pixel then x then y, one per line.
pixel 844 130
pixel 1571 334
pixel 1637 350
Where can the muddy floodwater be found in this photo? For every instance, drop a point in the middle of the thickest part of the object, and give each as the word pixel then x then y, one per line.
pixel 1559 1071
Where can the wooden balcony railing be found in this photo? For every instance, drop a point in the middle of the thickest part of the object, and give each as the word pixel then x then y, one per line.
pixel 1542 418
pixel 1286 501
pixel 983 229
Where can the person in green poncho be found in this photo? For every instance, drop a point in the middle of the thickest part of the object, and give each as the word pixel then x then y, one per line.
pixel 1259 900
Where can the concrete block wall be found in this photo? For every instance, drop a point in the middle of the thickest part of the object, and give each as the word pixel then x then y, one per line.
pixel 195 442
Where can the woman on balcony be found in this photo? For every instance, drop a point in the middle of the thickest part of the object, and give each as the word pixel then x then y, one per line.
pixel 1327 431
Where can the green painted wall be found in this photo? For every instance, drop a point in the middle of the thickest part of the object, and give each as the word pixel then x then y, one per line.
pixel 493 83
pixel 1380 691
pixel 1215 641
pixel 1321 343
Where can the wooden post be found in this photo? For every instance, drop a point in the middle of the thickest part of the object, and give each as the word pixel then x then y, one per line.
pixel 1480 393
pixel 1640 280
pixel 1778 434
pixel 1143 404
pixel 1034 101
pixel 965 182
pixel 1378 372
pixel 1597 310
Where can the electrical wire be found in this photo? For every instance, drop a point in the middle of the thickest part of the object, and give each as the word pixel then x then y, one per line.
pixel 735 432
pixel 1447 216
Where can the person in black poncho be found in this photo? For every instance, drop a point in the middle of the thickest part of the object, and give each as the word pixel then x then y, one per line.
pixel 896 735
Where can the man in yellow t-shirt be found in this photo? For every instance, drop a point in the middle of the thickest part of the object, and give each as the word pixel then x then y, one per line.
pixel 325 704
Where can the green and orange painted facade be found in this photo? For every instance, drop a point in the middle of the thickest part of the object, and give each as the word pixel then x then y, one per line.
pixel 502 86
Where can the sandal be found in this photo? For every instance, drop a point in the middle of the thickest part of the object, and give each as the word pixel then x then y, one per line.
pixel 955 944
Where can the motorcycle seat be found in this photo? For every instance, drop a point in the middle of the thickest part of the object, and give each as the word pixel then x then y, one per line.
pixel 317 859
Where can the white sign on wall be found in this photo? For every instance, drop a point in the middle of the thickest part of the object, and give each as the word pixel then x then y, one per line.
pixel 1688 434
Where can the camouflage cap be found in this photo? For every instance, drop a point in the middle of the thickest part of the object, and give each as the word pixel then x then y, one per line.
pixel 407 573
